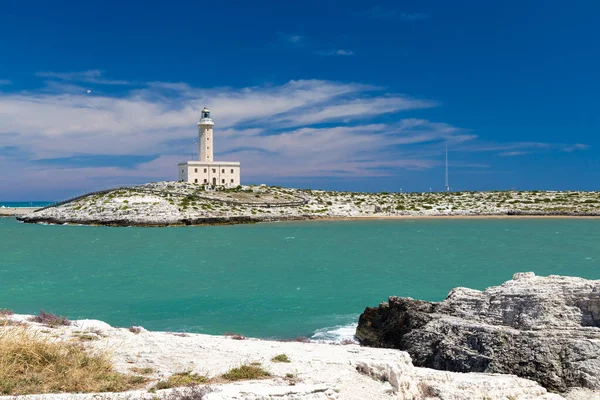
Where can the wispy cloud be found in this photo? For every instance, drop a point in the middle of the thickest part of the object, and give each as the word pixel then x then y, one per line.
pixel 575 147
pixel 291 38
pixel 379 12
pixel 302 128
pixel 91 76
pixel 340 52
pixel 512 149
pixel 5 82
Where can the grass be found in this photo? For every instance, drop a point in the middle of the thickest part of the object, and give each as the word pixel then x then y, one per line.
pixel 281 358
pixel 85 337
pixel 50 319
pixel 31 363
pixel 142 371
pixel 246 372
pixel 181 379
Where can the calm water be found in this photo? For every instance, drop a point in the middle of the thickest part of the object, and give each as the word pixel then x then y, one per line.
pixel 274 280
pixel 25 203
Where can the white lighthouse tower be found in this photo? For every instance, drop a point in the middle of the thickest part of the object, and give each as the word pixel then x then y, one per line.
pixel 206 171
pixel 205 132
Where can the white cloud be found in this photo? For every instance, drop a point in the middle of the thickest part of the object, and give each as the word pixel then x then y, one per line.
pixel 91 76
pixel 302 128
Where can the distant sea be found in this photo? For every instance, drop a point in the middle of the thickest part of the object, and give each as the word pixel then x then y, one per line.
pixel 9 204
pixel 275 280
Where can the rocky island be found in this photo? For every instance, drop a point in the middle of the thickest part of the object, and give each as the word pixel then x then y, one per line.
pixel 542 328
pixel 182 203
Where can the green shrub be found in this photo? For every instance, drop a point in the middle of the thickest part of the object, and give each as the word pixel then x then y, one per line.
pixel 281 358
pixel 246 372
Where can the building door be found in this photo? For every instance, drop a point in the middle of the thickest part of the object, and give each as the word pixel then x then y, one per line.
pixel 215 181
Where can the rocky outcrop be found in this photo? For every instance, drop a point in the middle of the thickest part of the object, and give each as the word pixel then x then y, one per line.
pixel 541 328
pixel 315 371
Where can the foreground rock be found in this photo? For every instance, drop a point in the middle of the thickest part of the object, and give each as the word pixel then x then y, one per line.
pixel 181 203
pixel 541 328
pixel 315 370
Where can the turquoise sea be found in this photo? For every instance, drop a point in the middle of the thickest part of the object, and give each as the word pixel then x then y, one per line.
pixel 277 279
pixel 25 203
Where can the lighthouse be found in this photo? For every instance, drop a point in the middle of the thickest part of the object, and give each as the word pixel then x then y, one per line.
pixel 207 171
pixel 205 132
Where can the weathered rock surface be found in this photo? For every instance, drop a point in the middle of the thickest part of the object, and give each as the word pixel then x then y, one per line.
pixel 316 371
pixel 541 328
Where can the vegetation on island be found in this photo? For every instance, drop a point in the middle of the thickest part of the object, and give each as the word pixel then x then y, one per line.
pixel 165 203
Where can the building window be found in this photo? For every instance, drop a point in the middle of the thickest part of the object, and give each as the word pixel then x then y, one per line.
pixel 195 180
pixel 205 181
pixel 222 180
pixel 223 171
pixel 232 181
pixel 232 170
pixel 204 170
pixel 214 170
pixel 195 169
pixel 182 171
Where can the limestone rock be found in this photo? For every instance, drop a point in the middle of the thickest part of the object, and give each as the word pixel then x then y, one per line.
pixel 541 328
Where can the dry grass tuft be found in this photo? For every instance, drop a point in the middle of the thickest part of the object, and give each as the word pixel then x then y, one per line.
pixel 246 372
pixel 5 312
pixel 181 379
pixel 281 358
pixel 49 319
pixel 31 363
pixel 142 371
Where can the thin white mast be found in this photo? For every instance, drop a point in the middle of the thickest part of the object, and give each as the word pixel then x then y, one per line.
pixel 447 187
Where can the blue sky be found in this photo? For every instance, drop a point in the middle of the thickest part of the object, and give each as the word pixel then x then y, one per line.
pixel 338 95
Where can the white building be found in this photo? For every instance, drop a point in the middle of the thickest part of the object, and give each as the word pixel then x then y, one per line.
pixel 206 171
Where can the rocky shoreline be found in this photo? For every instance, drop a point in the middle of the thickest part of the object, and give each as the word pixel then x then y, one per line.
pixel 542 328
pixel 178 204
pixel 312 371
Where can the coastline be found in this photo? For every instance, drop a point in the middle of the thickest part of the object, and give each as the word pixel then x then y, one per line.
pixel 312 371
pixel 161 204
pixel 216 221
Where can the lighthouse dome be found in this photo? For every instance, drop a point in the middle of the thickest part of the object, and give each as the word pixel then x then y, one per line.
pixel 205 117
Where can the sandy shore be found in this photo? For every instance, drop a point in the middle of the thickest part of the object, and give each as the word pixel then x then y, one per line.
pixel 13 211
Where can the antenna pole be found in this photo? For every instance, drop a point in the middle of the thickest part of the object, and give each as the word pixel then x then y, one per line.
pixel 447 187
